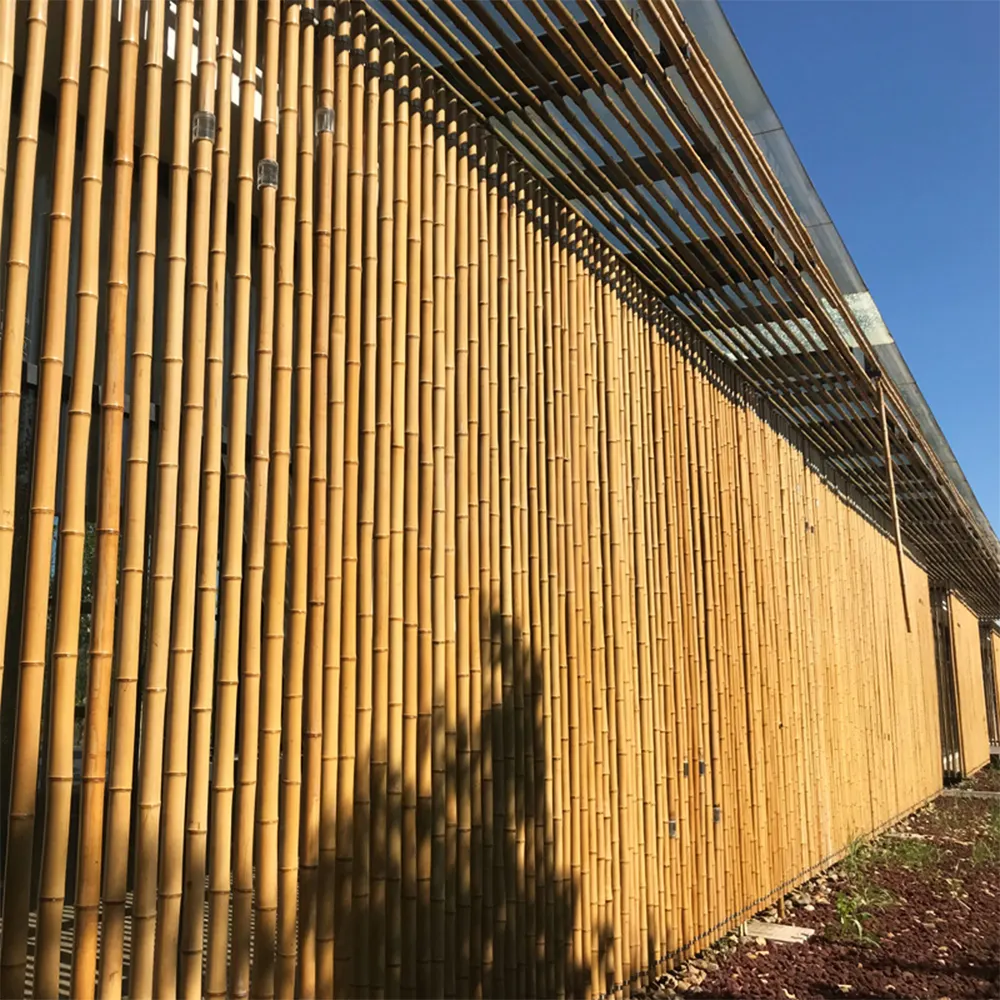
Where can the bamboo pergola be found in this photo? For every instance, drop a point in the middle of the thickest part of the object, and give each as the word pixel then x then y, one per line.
pixel 481 566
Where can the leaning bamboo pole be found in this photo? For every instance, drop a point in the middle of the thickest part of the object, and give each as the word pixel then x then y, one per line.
pixel 170 882
pixel 202 695
pixel 250 624
pixel 154 707
pixel 293 706
pixel 134 564
pixel 72 530
pixel 262 978
pixel 318 475
pixel 381 556
pixel 92 815
pixel 18 256
pixel 231 564
pixel 41 519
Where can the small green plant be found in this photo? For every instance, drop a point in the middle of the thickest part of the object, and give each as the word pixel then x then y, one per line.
pixel 986 849
pixel 905 852
pixel 854 911
pixel 856 858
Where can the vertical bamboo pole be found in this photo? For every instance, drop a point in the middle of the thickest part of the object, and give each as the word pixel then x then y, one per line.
pixel 462 927
pixel 262 980
pixel 438 606
pixel 18 256
pixel 253 574
pixel 88 868
pixel 411 530
pixel 425 652
pixel 231 567
pixel 24 766
pixel 361 891
pixel 450 674
pixel 401 323
pixel 73 529
pixel 890 478
pixel 7 14
pixel 182 599
pixel 476 666
pixel 314 707
pixel 151 751
pixel 294 708
pixel 329 915
pixel 133 568
pixel 345 972
pixel 487 336
pixel 196 833
pixel 383 486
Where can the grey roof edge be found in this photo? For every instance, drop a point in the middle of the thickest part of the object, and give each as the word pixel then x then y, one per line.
pixel 719 42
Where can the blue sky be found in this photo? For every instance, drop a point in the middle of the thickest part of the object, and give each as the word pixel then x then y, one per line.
pixel 894 109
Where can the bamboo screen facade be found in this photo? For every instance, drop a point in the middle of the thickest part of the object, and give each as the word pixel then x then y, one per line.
pixel 444 619
pixel 967 662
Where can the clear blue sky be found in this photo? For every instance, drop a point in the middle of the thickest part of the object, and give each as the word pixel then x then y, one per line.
pixel 894 109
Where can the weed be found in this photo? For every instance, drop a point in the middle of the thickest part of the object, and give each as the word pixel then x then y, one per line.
pixel 905 852
pixel 854 911
pixel 986 849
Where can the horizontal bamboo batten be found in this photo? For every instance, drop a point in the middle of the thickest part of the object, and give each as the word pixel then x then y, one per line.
pixel 476 630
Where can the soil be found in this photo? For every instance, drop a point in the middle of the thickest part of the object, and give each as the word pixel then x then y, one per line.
pixel 987 779
pixel 927 899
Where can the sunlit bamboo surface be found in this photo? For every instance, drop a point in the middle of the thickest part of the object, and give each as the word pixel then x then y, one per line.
pixel 453 622
pixel 967 662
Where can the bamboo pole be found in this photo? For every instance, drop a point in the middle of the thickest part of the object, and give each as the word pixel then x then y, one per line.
pixel 196 832
pixel 396 782
pixel 182 601
pixel 254 548
pixel 329 914
pixel 116 845
pixel 381 461
pixel 365 585
pixel 154 707
pixel 411 529
pixel 425 652
pixel 88 867
pixel 293 706
pixel 449 620
pixel 314 710
pixel 347 961
pixel 7 15
pixel 890 478
pixel 231 566
pixel 18 256
pixel 41 518
pixel 73 530
pixel 266 847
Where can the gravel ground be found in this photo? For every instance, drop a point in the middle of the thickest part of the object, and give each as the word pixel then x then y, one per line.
pixel 914 914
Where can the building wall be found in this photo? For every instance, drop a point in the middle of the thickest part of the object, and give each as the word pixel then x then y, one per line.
pixel 531 652
pixel 967 658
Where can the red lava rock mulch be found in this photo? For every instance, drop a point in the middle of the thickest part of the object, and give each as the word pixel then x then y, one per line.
pixel 926 896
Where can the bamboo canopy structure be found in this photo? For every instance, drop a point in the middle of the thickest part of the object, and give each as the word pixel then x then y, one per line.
pixel 448 546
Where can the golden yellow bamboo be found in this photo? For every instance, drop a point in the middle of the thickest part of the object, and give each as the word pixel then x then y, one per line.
pixel 18 255
pixel 196 825
pixel 317 544
pixel 73 530
pixel 250 627
pixel 88 870
pixel 231 566
pixel 182 607
pixel 41 519
pixel 266 861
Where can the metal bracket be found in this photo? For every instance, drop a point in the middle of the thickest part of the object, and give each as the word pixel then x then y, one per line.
pixel 672 827
pixel 324 120
pixel 267 174
pixel 203 126
pixel 701 768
